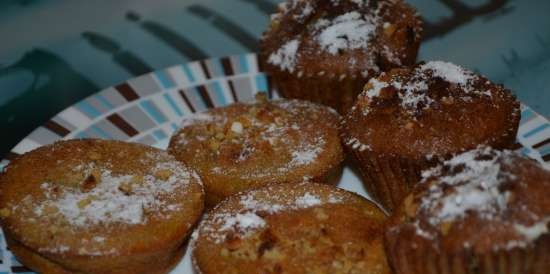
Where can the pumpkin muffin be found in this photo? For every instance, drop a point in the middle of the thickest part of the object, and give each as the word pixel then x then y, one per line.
pixel 325 51
pixel 97 207
pixel 484 211
pixel 293 229
pixel 249 145
pixel 406 120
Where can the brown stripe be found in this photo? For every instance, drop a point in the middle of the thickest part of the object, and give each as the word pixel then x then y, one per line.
pixel 546 158
pixel 20 269
pixel 233 92
pixel 182 94
pixel 205 70
pixel 10 156
pixel 127 92
pixel 516 146
pixel 56 128
pixel 227 67
pixel 205 97
pixel 545 142
pixel 122 124
pixel 260 63
pixel 269 89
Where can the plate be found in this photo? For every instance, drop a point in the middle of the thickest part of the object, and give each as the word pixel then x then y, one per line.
pixel 147 109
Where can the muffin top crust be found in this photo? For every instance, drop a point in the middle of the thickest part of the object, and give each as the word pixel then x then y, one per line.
pixel 281 140
pixel 352 37
pixel 432 108
pixel 73 197
pixel 291 228
pixel 483 199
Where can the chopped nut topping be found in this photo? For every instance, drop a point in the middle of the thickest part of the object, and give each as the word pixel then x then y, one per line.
pixel 53 229
pixel 389 29
pixel 163 174
pixel 214 145
pixel 50 209
pixel 84 203
pixel 445 227
pixel 233 243
pixel 320 214
pixel 447 100
pixel 219 136
pixel 4 212
pixel 261 97
pixel 125 188
pixel 237 127
pixel 409 125
pixel 90 182
pixel 94 156
pixel 137 179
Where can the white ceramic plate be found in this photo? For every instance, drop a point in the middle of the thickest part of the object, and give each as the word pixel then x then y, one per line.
pixel 147 109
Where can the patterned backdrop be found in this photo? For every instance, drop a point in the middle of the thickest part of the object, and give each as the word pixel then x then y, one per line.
pixel 55 52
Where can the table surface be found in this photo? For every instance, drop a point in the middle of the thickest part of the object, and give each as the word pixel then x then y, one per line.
pixel 54 53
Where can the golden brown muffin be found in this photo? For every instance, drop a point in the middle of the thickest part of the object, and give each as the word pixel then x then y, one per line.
pixel 293 229
pixel 325 51
pixel 249 145
pixel 408 119
pixel 484 211
pixel 98 207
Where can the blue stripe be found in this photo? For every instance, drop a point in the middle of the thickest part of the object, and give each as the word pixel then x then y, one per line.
pixel 261 82
pixel 81 135
pixel 219 93
pixel 526 115
pixel 85 107
pixel 243 63
pixel 525 151
pixel 173 104
pixel 536 130
pixel 175 126
pixel 101 132
pixel 164 79
pixel 159 134
pixel 544 151
pixel 216 63
pixel 104 101
pixel 188 73
pixel 153 111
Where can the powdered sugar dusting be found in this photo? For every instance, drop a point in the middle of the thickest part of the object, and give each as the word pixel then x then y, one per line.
pixel 347 31
pixel 475 177
pixel 477 184
pixel 414 90
pixel 534 231
pixel 253 132
pixel 120 198
pixel 286 56
pixel 308 200
pixel 248 219
pixel 449 71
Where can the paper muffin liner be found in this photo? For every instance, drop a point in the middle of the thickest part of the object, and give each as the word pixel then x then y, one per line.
pixel 336 91
pixel 419 258
pixel 389 178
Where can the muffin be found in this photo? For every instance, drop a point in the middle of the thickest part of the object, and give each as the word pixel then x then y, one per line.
pixel 484 211
pixel 293 229
pixel 98 207
pixel 325 51
pixel 407 120
pixel 249 145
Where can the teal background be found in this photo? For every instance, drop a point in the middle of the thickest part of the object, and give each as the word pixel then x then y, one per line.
pixel 56 52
